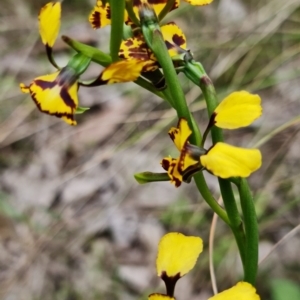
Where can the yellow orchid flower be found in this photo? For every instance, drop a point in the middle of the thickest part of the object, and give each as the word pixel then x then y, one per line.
pixel 179 169
pixel 241 291
pixel 177 255
pixel 55 94
pixel 221 159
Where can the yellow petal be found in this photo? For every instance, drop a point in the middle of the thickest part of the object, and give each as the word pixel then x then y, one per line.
pixel 54 97
pixel 160 297
pixel 136 47
pixel 177 254
pixel 226 161
pixel 49 22
pixel 174 38
pixel 100 15
pixel 239 109
pixel 180 134
pixel 199 2
pixel 241 291
pixel 124 70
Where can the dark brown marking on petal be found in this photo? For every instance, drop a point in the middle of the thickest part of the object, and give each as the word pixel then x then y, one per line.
pixel 169 45
pixel 137 2
pixel 212 120
pixel 128 43
pixel 95 19
pixel 64 94
pixel 153 2
pixel 181 161
pixel 165 164
pixel 178 39
pixel 177 182
pixel 108 13
pixel 173 165
pixel 170 282
pixel 138 53
pixel 172 134
pixel 45 84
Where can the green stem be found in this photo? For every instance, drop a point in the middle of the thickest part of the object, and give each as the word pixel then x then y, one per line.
pixel 209 199
pixel 155 41
pixel 251 230
pixel 236 224
pixel 117 8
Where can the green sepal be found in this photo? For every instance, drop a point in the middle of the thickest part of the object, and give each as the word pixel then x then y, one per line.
pixel 166 9
pixel 80 110
pixel 89 51
pixel 146 177
pixel 194 71
pixel 131 13
pixel 79 63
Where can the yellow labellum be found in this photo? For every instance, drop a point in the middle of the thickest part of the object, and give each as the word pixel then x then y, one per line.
pixel 241 291
pixel 160 297
pixel 54 97
pixel 171 166
pixel 124 70
pixel 49 22
pixel 226 161
pixel 239 109
pixel 177 254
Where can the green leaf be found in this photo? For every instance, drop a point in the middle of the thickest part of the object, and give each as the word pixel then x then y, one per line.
pixel 283 289
pixel 147 177
pixel 81 110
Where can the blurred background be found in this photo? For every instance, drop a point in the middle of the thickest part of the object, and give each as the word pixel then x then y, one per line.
pixel 74 224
